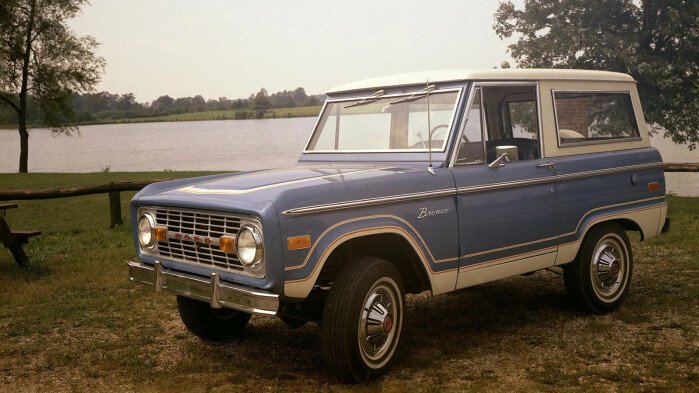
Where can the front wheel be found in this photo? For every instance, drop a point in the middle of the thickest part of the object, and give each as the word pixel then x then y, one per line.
pixel 362 319
pixel 210 323
pixel 600 276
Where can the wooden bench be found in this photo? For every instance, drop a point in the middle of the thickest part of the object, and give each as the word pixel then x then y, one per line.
pixel 14 240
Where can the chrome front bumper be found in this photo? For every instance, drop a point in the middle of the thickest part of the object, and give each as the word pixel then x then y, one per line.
pixel 213 291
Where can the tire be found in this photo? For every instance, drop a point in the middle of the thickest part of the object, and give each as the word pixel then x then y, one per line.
pixel 209 323
pixel 599 278
pixel 362 319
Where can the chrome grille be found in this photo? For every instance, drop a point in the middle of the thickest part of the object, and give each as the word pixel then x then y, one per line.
pixel 200 224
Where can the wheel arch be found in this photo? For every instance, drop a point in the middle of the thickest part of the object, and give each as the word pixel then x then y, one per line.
pixel 391 246
pixel 645 220
pixel 415 270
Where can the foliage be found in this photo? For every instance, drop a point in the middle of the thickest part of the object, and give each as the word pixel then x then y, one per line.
pixel 655 42
pixel 44 62
pixel 260 102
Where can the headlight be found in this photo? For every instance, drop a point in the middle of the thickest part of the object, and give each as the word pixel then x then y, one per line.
pixel 249 246
pixel 145 230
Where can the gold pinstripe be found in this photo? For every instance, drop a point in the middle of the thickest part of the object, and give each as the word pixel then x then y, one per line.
pixel 373 230
pixel 479 265
pixel 310 252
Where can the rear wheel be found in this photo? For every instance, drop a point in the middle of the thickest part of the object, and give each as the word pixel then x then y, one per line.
pixel 600 276
pixel 211 323
pixel 362 319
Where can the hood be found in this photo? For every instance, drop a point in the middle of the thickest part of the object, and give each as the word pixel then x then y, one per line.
pixel 294 187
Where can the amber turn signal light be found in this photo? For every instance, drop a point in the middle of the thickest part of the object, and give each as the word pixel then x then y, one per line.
pixel 160 233
pixel 227 244
pixel 653 186
pixel 298 242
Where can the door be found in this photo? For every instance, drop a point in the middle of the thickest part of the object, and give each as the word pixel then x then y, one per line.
pixel 507 207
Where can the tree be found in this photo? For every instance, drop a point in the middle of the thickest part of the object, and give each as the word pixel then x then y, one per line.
pixel 44 63
pixel 260 102
pixel 162 103
pixel 653 41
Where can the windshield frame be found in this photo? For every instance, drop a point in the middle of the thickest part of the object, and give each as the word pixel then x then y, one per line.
pixel 368 95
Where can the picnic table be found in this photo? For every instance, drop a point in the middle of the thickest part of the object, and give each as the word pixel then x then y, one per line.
pixel 14 240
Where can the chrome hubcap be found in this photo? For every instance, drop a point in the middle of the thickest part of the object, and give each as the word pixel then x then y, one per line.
pixel 377 323
pixel 608 268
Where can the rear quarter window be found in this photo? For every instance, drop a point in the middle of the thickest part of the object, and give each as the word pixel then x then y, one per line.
pixel 594 117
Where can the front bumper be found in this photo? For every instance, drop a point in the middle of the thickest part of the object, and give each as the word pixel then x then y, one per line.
pixel 212 290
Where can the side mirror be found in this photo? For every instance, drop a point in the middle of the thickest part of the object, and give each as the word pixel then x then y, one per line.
pixel 500 161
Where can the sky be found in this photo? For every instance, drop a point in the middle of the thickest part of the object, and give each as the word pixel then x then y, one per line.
pixel 220 48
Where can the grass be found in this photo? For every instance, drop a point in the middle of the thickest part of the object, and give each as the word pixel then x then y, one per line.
pixel 304 111
pixel 71 322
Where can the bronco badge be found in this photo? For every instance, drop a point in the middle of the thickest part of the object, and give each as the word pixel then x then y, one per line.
pixel 428 213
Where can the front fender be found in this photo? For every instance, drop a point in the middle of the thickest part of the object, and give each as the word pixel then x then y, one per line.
pixel 299 279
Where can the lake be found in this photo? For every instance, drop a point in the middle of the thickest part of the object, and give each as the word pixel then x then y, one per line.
pixel 211 145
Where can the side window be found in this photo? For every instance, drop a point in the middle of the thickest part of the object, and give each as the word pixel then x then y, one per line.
pixel 471 142
pixel 521 119
pixel 511 115
pixel 589 117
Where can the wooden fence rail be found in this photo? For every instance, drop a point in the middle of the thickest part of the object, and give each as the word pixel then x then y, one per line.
pixel 681 167
pixel 115 188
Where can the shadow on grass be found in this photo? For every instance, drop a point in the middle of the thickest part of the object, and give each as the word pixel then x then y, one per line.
pixel 457 326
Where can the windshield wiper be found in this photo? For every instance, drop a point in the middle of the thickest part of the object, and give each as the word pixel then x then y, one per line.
pixel 415 96
pixel 367 100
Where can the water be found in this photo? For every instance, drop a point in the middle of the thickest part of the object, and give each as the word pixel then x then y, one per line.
pixel 212 145
pixel 202 145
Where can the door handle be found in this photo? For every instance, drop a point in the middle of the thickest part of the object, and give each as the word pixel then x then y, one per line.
pixel 548 165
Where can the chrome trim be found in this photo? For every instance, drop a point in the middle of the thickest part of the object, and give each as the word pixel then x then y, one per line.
pixel 459 90
pixel 380 321
pixel 148 215
pixel 600 142
pixel 484 121
pixel 210 290
pixel 498 162
pixel 367 202
pixel 540 124
pixel 215 292
pixel 609 268
pixel 462 126
pixel 603 142
pixel 259 246
pixel 465 190
pixel 609 171
pixel 507 184
pixel 179 253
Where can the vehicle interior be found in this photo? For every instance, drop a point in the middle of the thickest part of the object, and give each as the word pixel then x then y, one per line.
pixel 501 118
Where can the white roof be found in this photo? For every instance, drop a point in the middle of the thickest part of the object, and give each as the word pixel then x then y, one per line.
pixel 415 78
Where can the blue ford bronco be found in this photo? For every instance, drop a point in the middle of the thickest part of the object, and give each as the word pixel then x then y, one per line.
pixel 416 182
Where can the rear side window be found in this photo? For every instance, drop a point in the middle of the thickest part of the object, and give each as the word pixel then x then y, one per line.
pixel 594 117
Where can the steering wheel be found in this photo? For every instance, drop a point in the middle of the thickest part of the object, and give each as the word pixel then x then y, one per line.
pixel 438 127
pixel 423 142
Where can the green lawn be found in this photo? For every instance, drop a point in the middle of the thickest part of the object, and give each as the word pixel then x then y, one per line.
pixel 71 322
pixel 306 111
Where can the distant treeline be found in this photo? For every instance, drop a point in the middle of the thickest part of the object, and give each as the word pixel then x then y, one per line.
pixel 103 106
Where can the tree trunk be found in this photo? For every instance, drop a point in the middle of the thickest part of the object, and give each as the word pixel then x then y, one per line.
pixel 23 143
pixel 22 112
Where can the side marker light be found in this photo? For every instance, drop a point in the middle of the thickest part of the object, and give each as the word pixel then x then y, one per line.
pixel 298 242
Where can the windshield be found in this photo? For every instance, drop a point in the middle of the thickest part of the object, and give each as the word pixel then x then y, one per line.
pixel 393 123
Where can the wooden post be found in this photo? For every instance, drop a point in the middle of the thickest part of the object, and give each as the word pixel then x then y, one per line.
pixel 115 208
